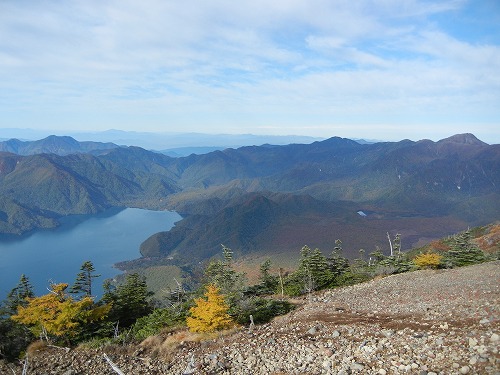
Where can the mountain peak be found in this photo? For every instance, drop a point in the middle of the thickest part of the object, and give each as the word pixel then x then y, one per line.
pixel 465 138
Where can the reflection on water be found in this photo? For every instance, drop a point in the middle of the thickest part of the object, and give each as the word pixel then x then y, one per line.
pixel 56 255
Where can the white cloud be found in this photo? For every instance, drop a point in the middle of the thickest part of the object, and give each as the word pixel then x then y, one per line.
pixel 226 62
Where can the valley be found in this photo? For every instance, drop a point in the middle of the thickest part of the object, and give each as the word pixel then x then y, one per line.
pixel 268 206
pixel 269 199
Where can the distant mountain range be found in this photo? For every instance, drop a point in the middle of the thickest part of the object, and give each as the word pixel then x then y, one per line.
pixel 163 140
pixel 261 199
pixel 54 145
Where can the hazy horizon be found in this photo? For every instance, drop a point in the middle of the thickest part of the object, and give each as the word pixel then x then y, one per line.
pixel 155 140
pixel 391 70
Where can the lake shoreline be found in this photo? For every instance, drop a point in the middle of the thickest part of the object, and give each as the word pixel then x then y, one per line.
pixel 55 255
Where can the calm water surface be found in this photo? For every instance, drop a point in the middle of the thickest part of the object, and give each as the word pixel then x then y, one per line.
pixel 56 255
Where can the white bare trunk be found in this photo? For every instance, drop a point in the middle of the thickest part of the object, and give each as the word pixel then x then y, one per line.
pixel 113 366
pixel 390 242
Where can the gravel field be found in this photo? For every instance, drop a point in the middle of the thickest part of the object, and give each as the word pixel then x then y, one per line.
pixel 425 322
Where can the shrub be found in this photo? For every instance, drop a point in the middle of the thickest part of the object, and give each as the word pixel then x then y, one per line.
pixel 352 278
pixel 36 347
pixel 262 310
pixel 294 285
pixel 153 323
pixel 428 260
pixel 95 343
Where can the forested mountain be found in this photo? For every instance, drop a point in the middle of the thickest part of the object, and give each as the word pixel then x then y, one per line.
pixel 54 145
pixel 35 190
pixel 266 198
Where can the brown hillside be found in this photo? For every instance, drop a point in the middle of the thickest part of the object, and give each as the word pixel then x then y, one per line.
pixel 432 322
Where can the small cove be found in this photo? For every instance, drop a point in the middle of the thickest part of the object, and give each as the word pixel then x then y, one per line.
pixel 56 255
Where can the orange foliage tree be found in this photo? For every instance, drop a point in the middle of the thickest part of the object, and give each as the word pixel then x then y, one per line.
pixel 210 313
pixel 428 260
pixel 58 314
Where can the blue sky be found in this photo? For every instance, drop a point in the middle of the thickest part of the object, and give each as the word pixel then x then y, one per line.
pixel 386 69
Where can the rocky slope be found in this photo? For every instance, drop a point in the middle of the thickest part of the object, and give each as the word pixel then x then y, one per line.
pixel 424 322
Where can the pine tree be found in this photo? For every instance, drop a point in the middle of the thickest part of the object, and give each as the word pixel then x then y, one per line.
pixel 264 268
pixel 210 313
pixel 18 295
pixel 319 266
pixel 463 251
pixel 314 270
pixel 377 255
pixel 221 274
pixel 268 283
pixel 337 263
pixel 130 300
pixel 360 263
pixel 15 337
pixel 83 283
pixel 338 247
pixel 397 244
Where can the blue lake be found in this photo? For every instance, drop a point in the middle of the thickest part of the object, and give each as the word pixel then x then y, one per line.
pixel 56 255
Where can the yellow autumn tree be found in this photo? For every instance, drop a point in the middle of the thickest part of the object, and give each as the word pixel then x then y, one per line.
pixel 210 313
pixel 58 314
pixel 428 260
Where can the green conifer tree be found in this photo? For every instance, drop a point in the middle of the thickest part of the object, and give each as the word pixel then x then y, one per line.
pixel 221 274
pixel 17 296
pixel 337 263
pixel 463 251
pixel 314 269
pixel 15 337
pixel 83 283
pixel 130 300
pixel 377 256
pixel 268 282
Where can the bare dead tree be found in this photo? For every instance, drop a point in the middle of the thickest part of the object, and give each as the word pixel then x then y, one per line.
pixel 252 324
pixel 390 243
pixel 113 366
pixel 25 366
pixel 43 334
pixel 281 284
pixel 116 330
pixel 11 369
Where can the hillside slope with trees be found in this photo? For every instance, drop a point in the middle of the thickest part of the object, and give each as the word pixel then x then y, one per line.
pixel 266 198
pixel 439 321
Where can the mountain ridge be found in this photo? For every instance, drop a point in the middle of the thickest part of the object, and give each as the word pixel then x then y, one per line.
pixel 434 187
pixel 59 145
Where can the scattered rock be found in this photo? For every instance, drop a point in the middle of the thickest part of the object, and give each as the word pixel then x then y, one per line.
pixel 465 370
pixel 357 366
pixel 312 331
pixel 405 336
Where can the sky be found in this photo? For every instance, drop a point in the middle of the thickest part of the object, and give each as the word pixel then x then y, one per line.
pixel 380 69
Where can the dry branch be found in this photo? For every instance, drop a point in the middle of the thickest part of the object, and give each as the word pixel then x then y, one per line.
pixel 113 366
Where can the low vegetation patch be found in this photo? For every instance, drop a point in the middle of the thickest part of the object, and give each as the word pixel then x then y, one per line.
pixel 221 301
pixel 428 260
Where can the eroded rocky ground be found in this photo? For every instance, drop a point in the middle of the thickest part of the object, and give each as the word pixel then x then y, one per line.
pixel 424 322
